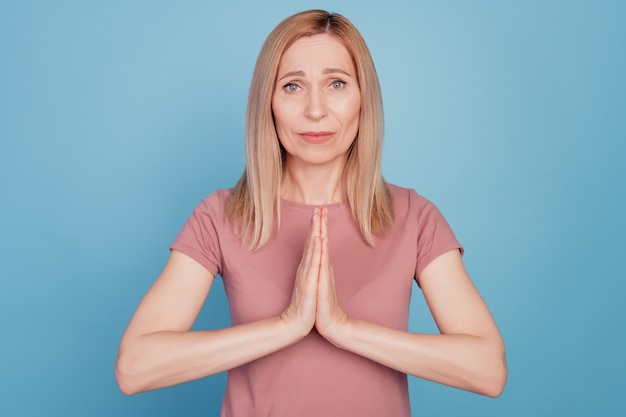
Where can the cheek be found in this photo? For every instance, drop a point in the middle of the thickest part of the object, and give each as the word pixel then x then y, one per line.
pixel 353 110
pixel 277 115
pixel 281 115
pixel 281 124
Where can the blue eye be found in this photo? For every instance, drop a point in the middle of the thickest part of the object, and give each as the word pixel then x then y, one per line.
pixel 291 87
pixel 337 84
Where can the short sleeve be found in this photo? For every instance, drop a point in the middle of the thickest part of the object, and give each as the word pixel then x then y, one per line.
pixel 435 236
pixel 199 237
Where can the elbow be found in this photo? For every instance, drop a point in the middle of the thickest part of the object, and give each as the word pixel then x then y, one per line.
pixel 495 381
pixel 126 375
pixel 495 387
pixel 126 385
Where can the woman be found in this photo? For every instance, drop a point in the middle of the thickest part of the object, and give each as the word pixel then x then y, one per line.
pixel 318 255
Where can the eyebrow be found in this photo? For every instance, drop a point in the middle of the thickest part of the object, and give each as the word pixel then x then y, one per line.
pixel 325 72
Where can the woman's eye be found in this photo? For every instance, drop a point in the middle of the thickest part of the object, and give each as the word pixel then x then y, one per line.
pixel 292 88
pixel 337 84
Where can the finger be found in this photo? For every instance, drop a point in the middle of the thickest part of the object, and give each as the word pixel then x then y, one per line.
pixel 316 258
pixel 325 256
pixel 310 264
pixel 324 223
pixel 324 268
pixel 327 295
pixel 317 215
pixel 313 228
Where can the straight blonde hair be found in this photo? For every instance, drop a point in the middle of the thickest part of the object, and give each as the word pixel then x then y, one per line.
pixel 255 201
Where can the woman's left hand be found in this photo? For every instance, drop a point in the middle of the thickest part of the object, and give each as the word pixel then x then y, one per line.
pixel 330 317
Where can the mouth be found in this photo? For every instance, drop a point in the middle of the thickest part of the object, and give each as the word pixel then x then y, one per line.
pixel 316 137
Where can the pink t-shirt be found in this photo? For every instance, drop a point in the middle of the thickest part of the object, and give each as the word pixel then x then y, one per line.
pixel 313 377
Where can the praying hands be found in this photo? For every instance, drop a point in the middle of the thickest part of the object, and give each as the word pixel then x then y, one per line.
pixel 314 301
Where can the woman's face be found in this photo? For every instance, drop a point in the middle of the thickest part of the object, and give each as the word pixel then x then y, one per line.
pixel 317 101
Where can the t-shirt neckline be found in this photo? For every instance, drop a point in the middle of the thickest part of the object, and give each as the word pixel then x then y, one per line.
pixel 310 207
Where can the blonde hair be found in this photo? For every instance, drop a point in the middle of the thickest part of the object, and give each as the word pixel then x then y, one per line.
pixel 255 200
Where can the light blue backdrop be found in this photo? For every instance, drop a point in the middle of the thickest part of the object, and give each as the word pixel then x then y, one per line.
pixel 118 117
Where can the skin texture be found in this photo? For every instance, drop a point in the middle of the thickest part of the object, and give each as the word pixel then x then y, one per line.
pixel 317 91
pixel 158 349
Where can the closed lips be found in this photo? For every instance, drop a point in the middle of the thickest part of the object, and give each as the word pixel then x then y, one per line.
pixel 316 137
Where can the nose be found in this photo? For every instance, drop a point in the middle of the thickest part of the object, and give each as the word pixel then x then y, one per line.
pixel 315 105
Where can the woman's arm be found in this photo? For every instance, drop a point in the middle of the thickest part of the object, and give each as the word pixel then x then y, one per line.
pixel 158 349
pixel 469 352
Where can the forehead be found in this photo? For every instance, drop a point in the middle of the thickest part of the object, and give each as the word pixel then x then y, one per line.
pixel 321 50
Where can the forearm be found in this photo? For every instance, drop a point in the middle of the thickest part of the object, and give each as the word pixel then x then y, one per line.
pixel 167 358
pixel 468 362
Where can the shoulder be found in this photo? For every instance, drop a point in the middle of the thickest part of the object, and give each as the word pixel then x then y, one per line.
pixel 212 208
pixel 418 216
pixel 412 208
pixel 407 199
pixel 216 201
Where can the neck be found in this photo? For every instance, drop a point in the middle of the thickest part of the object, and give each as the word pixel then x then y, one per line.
pixel 313 184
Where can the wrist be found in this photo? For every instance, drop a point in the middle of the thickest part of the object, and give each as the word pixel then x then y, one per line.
pixel 294 327
pixel 338 331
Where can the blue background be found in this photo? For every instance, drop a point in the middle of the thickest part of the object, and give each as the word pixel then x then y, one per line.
pixel 118 117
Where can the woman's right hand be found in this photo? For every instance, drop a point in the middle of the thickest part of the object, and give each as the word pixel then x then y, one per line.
pixel 302 309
